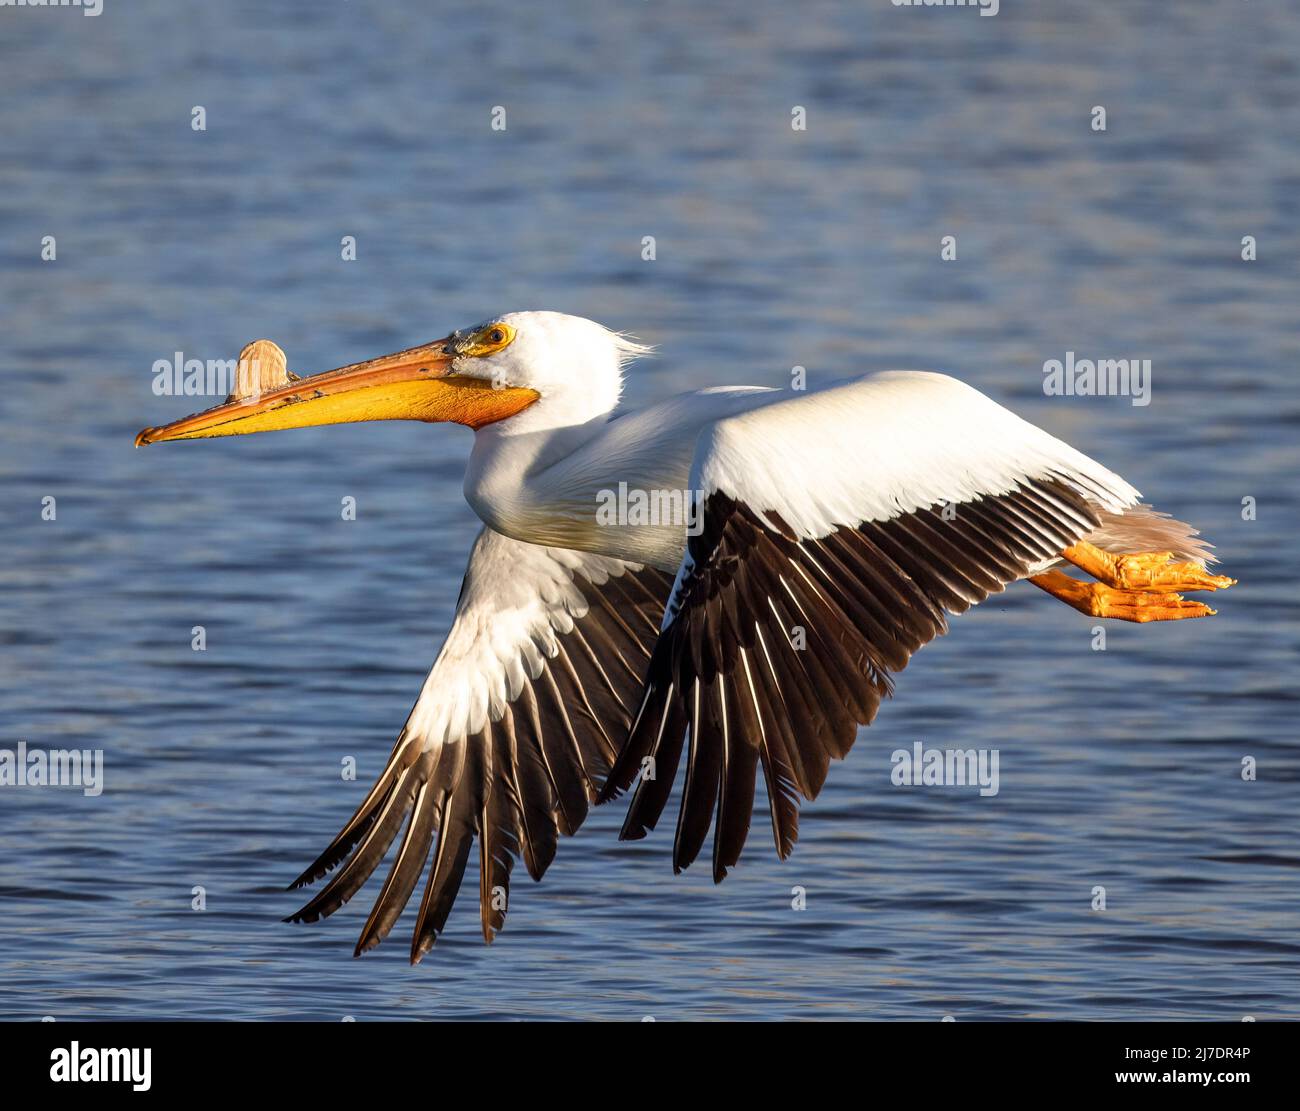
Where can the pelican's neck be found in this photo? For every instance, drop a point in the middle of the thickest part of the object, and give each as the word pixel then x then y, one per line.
pixel 553 486
pixel 502 480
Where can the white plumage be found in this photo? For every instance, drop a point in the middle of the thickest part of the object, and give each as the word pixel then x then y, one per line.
pixel 871 448
pixel 516 603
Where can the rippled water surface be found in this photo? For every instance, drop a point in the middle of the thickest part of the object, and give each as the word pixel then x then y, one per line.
pixel 1119 768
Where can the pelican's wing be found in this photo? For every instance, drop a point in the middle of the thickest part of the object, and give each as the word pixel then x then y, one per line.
pixel 838 529
pixel 512 735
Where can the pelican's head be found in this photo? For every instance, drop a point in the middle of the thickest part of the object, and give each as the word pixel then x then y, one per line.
pixel 534 370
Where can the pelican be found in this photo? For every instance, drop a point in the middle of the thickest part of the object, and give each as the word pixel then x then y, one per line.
pixel 822 536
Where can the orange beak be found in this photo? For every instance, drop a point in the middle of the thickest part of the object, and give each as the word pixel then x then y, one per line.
pixel 415 384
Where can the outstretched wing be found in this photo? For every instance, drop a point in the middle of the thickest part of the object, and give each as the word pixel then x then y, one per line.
pixel 510 739
pixel 838 530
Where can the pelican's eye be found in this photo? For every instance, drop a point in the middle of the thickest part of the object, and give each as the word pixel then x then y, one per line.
pixel 489 340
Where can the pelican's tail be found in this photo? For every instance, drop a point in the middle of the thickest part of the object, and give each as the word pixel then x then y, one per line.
pixel 1142 528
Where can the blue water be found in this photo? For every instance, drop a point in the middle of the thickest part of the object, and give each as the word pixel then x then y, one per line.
pixel 1119 768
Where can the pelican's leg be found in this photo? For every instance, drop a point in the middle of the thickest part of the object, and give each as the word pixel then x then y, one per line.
pixel 1143 570
pixel 1101 600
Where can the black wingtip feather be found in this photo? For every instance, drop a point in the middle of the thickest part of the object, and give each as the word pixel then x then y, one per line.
pixel 867 597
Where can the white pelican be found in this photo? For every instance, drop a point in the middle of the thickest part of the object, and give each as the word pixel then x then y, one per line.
pixel 837 528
